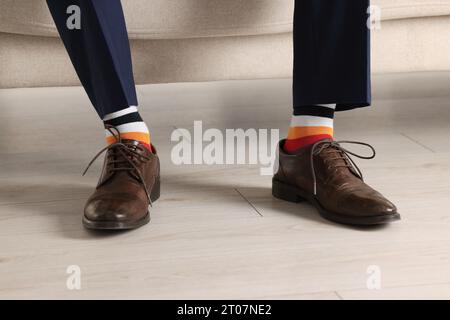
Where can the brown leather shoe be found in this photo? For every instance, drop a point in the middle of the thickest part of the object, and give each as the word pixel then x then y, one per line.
pixel 129 183
pixel 326 176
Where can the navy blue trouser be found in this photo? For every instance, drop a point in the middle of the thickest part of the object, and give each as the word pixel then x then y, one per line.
pixel 331 52
pixel 100 52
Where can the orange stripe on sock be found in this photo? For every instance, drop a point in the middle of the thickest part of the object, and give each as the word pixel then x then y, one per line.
pixel 139 136
pixel 301 132
pixel 294 145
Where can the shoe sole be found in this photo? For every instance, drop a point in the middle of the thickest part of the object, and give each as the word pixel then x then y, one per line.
pixel 290 193
pixel 118 225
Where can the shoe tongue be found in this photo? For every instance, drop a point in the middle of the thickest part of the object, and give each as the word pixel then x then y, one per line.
pixel 132 145
pixel 340 160
pixel 138 143
pixel 130 142
pixel 335 153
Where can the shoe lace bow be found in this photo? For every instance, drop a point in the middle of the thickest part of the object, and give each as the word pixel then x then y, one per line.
pixel 341 154
pixel 127 160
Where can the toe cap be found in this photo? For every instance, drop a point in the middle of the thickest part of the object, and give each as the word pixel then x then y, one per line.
pixel 115 209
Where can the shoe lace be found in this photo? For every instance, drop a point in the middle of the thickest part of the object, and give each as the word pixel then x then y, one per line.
pixel 341 154
pixel 126 160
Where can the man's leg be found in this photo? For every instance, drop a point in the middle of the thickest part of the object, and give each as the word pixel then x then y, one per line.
pixel 331 73
pixel 331 66
pixel 100 53
pixel 331 53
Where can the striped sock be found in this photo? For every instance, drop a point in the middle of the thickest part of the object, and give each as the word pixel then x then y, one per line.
pixel 310 124
pixel 130 125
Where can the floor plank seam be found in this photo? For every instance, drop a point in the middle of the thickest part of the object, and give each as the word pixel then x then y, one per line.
pixel 338 295
pixel 251 204
pixel 8 204
pixel 419 285
pixel 417 142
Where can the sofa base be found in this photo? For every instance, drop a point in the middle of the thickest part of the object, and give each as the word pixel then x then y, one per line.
pixel 400 46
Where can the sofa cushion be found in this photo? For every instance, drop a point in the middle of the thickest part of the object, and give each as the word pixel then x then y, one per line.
pixel 172 19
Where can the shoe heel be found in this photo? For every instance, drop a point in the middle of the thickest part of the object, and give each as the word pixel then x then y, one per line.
pixel 156 191
pixel 285 192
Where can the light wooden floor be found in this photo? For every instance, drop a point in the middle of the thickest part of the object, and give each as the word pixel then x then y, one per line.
pixel 217 232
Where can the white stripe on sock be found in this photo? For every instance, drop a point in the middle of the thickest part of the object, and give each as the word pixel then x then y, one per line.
pixel 120 113
pixel 331 106
pixel 130 127
pixel 311 121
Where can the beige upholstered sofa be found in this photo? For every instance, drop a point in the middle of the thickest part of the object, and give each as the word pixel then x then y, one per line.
pixel 195 40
